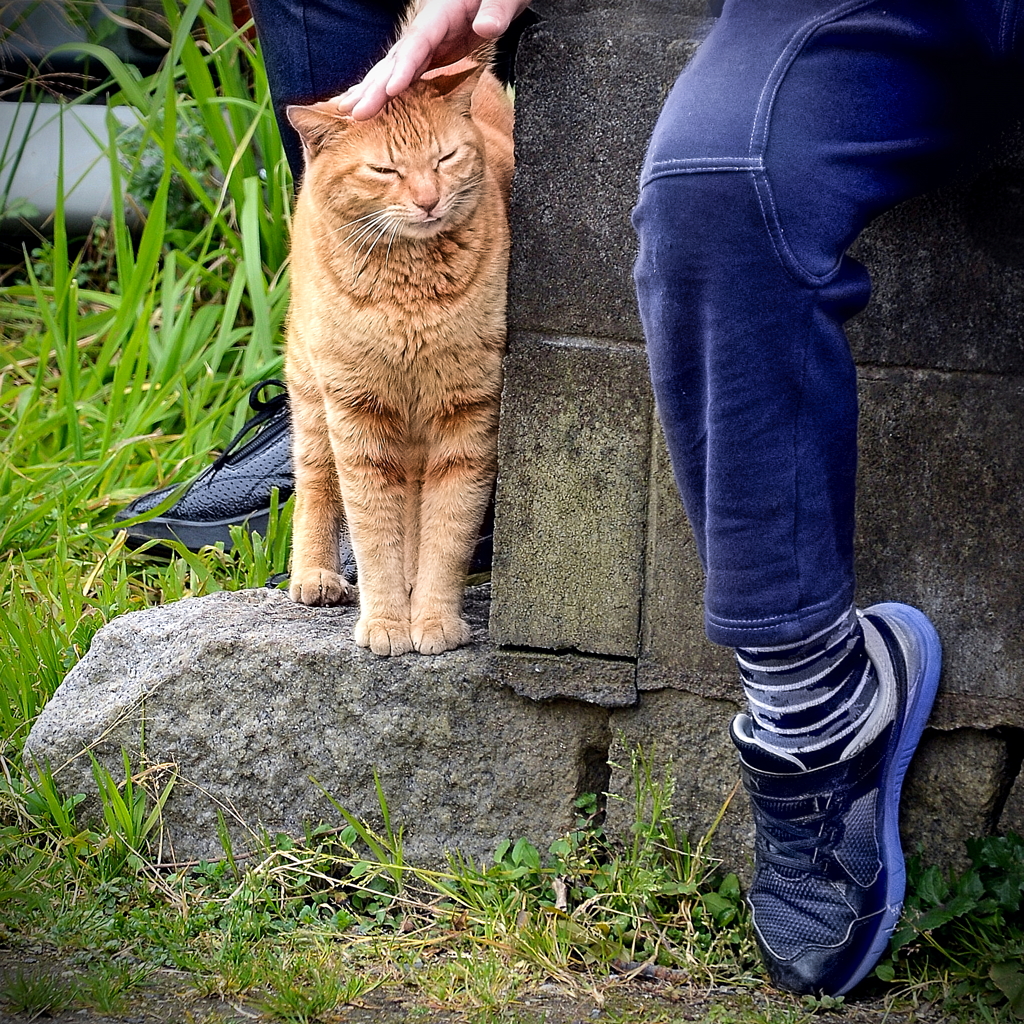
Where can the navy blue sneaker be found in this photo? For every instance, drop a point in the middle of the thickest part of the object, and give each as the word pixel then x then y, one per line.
pixel 235 490
pixel 829 875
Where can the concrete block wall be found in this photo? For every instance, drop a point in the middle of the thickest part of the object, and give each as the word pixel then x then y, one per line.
pixel 596 585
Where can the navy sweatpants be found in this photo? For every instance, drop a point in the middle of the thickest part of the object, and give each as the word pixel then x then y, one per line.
pixel 797 122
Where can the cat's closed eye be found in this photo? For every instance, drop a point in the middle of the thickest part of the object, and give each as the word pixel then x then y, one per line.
pixel 377 169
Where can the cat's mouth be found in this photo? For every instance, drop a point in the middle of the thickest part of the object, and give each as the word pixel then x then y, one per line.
pixel 425 225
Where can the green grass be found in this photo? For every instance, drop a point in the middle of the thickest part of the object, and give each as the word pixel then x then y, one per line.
pixel 124 362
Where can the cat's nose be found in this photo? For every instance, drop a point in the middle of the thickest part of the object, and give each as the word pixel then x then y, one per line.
pixel 427 203
pixel 426 196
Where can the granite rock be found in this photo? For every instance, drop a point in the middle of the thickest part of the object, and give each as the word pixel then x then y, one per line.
pixel 260 705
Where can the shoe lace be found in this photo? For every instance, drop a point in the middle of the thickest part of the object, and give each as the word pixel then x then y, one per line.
pixel 265 409
pixel 805 844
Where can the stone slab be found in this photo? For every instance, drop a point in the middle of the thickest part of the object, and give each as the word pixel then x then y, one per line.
pixel 589 88
pixel 602 681
pixel 572 496
pixel 940 506
pixel 251 697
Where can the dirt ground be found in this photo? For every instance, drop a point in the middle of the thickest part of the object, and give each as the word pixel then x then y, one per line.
pixel 166 998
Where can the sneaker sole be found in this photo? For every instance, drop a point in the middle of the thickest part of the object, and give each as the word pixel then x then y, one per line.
pixel 916 635
pixel 195 535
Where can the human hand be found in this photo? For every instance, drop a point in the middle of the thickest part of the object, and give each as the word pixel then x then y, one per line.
pixel 441 33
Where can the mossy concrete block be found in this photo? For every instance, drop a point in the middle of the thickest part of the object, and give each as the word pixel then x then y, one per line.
pixel 258 702
pixel 685 736
pixel 674 652
pixel 590 83
pixel 572 496
pixel 940 506
pixel 948 275
pixel 955 786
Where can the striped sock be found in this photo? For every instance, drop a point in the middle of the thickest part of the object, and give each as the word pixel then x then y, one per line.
pixel 811 701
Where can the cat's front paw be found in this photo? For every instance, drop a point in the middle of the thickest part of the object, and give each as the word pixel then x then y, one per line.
pixel 383 636
pixel 320 587
pixel 435 635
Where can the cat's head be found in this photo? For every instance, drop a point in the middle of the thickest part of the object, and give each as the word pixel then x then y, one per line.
pixel 413 171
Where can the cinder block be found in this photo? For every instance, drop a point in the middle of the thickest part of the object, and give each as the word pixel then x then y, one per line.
pixel 687 736
pixel 948 275
pixel 674 652
pixel 940 506
pixel 956 784
pixel 590 83
pixel 954 788
pixel 572 496
pixel 1011 818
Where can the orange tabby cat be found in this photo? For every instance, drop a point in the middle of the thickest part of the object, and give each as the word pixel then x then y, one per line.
pixel 395 338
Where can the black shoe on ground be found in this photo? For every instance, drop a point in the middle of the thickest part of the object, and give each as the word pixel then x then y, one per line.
pixel 829 875
pixel 235 490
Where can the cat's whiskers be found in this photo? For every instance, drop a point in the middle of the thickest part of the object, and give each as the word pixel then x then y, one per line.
pixel 391 242
pixel 465 194
pixel 467 188
pixel 369 252
pixel 354 238
pixel 357 220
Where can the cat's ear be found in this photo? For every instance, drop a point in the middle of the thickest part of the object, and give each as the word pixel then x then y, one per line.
pixel 458 87
pixel 317 125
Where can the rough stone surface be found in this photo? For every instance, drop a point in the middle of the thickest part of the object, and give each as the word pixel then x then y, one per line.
pixel 953 791
pixel 686 735
pixel 1011 818
pixel 940 504
pixel 250 697
pixel 945 271
pixel 674 652
pixel 590 82
pixel 572 496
